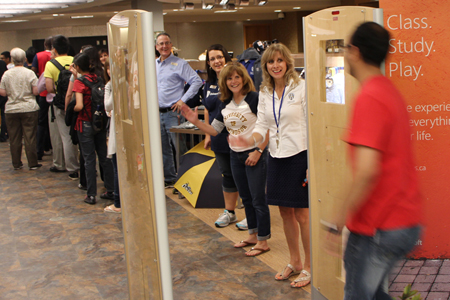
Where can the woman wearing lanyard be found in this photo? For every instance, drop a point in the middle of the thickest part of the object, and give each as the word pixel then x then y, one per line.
pixel 282 110
pixel 248 164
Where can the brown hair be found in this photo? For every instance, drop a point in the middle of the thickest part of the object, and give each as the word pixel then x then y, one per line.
pixel 106 77
pixel 290 74
pixel 226 72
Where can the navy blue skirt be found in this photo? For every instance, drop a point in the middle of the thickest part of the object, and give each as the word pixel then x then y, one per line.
pixel 285 177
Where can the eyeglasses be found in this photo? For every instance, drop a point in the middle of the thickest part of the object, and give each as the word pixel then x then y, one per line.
pixel 164 44
pixel 217 57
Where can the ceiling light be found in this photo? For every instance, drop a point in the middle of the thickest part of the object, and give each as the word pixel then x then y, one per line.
pixel 175 10
pixel 223 2
pixel 55 15
pixel 248 20
pixel 209 6
pixel 82 17
pixel 164 13
pixel 224 11
pixel 297 7
pixel 261 2
pixel 244 2
pixel 277 10
pixel 14 21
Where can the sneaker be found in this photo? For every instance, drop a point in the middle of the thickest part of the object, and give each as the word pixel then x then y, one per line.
pixel 56 170
pixel 107 195
pixel 82 187
pixel 90 200
pixel 242 225
pixel 73 176
pixel 169 184
pixel 225 219
pixel 36 167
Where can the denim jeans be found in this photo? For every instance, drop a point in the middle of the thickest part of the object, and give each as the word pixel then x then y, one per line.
pixel 251 185
pixel 368 260
pixel 223 161
pixel 91 143
pixel 168 142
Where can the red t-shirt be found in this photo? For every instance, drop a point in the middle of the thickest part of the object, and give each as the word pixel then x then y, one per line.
pixel 380 121
pixel 42 58
pixel 85 114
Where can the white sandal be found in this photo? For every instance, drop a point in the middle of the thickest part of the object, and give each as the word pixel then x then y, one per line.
pixel 306 279
pixel 282 277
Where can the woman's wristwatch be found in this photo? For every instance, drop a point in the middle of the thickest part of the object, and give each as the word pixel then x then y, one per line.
pixel 259 150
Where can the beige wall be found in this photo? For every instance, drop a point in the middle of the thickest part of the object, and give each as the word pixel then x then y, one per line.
pixel 192 38
pixel 24 38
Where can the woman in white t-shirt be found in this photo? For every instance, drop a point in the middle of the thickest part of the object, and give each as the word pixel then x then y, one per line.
pixel 248 163
pixel 21 110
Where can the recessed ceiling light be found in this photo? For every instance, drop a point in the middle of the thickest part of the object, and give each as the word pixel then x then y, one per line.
pixel 240 7
pixel 277 10
pixel 297 7
pixel 55 15
pixel 175 10
pixel 15 21
pixel 223 2
pixel 248 20
pixel 82 17
pixel 164 13
pixel 224 11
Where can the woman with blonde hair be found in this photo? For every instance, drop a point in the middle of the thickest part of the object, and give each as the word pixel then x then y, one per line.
pixel 282 111
pixel 238 113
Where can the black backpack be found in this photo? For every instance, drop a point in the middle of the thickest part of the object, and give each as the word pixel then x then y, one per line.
pixel 62 84
pixel 99 119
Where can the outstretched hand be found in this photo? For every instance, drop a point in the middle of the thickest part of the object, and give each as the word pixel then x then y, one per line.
pixel 239 141
pixel 191 116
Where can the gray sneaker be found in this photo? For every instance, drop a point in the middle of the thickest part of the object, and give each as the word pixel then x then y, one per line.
pixel 242 225
pixel 225 219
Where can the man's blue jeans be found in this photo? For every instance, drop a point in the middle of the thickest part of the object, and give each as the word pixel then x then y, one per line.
pixel 251 184
pixel 168 140
pixel 368 260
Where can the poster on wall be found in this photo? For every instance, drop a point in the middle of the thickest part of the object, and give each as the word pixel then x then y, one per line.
pixel 418 64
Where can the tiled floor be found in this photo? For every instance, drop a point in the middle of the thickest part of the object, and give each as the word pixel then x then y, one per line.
pixel 54 246
pixel 431 278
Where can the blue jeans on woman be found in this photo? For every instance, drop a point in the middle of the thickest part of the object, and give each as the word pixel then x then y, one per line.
pixel 251 185
pixel 368 260
pixel 90 143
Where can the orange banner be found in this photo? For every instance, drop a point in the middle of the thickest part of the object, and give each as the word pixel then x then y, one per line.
pixel 418 65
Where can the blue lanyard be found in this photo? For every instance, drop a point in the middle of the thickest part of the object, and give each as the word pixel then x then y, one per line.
pixel 277 122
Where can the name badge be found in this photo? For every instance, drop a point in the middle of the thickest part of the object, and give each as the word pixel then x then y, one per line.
pixel 174 64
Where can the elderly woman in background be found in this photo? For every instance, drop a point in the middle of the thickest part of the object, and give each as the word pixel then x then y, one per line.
pixel 21 110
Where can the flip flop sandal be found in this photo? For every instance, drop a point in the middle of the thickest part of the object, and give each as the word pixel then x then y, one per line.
pixel 245 244
pixel 292 273
pixel 261 251
pixel 305 280
pixel 111 210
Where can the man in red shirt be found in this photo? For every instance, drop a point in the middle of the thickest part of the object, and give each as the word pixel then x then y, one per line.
pixel 43 132
pixel 383 207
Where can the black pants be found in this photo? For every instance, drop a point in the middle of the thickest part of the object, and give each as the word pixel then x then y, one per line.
pixel 43 142
pixel 4 132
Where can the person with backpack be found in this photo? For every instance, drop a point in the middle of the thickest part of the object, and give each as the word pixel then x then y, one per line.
pixel 91 125
pixel 251 60
pixel 57 73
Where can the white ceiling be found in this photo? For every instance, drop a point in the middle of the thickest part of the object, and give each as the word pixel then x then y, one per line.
pixel 103 10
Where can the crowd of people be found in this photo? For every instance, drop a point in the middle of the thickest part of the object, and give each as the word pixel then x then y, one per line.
pixel 46 101
pixel 258 135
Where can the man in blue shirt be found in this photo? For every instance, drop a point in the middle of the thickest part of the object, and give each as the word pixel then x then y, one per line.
pixel 172 74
